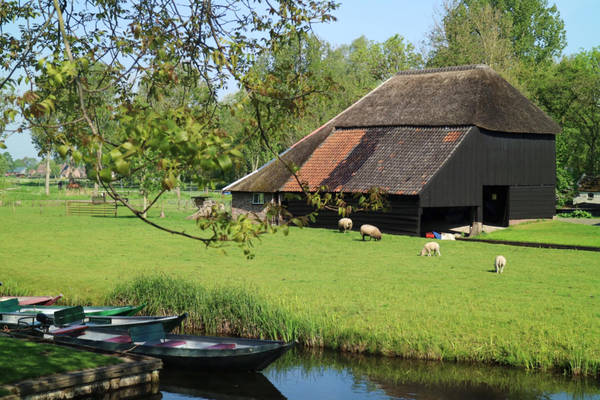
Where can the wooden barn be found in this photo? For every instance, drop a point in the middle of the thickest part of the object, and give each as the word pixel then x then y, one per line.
pixel 451 146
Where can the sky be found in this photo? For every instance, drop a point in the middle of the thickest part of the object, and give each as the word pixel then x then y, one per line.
pixel 412 19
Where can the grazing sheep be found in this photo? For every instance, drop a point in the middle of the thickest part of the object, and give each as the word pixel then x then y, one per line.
pixel 430 247
pixel 345 224
pixel 370 231
pixel 499 263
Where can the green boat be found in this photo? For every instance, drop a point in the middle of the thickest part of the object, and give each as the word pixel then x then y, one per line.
pixel 13 306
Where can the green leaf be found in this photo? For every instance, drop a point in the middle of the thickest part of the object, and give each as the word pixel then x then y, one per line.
pixel 224 162
pixel 106 175
pixel 122 167
pixel 2 145
pixel 63 150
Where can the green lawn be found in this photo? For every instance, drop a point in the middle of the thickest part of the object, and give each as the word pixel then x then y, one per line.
pixel 554 232
pixel 360 296
pixel 20 360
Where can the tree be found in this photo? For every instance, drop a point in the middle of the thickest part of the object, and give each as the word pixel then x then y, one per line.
pixel 154 44
pixel 515 37
pixel 340 75
pixel 570 92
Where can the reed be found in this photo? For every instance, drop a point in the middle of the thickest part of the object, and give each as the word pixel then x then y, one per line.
pixel 225 311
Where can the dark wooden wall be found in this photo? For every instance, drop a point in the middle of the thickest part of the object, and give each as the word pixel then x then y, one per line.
pixel 525 202
pixel 525 162
pixel 402 217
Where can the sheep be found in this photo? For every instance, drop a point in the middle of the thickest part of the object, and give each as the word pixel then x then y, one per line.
pixel 370 231
pixel 345 224
pixel 430 247
pixel 500 263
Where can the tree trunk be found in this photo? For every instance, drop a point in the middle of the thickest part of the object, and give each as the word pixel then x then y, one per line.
pixel 145 215
pixel 48 173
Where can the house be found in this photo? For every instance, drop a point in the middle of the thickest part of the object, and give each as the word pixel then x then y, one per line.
pixel 589 190
pixel 450 146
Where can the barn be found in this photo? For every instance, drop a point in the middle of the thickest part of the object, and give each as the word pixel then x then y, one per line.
pixel 450 146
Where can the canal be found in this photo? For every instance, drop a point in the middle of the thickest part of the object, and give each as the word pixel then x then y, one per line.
pixel 328 375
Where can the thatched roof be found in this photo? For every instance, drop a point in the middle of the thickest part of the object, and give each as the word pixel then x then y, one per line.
pixel 446 97
pixel 468 95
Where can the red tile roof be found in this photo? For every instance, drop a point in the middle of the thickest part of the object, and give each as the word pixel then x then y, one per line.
pixel 400 159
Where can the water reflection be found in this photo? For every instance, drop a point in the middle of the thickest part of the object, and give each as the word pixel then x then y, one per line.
pixel 329 375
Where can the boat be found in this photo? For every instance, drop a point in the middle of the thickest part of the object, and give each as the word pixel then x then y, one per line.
pixel 88 310
pixel 33 300
pixel 73 319
pixel 183 351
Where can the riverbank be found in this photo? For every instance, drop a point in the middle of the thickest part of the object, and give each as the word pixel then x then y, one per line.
pixel 326 288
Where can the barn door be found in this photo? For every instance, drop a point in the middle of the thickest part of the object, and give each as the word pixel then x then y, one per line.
pixel 495 205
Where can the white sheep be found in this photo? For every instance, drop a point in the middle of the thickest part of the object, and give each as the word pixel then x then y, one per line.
pixel 345 224
pixel 431 247
pixel 500 263
pixel 370 231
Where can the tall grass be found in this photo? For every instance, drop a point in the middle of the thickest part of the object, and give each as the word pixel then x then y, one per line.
pixel 214 311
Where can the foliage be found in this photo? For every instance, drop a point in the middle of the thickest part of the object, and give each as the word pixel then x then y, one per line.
pixel 576 214
pixel 376 297
pixel 570 92
pixel 101 74
pixel 340 76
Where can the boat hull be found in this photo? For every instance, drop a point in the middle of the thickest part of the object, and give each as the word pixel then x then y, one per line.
pixel 250 355
pixel 88 310
pixel 34 300
pixel 21 321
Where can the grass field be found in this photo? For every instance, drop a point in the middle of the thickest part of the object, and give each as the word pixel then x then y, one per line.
pixel 554 232
pixel 331 288
pixel 20 360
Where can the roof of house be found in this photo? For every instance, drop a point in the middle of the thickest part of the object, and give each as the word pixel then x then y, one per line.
pixel 455 96
pixel 401 160
pixel 589 184
pixel 435 101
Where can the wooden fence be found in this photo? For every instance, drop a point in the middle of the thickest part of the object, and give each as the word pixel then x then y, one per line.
pixel 84 207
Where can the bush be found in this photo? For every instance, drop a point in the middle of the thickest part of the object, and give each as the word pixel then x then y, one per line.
pixel 576 214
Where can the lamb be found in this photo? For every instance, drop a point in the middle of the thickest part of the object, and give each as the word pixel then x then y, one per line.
pixel 345 224
pixel 500 263
pixel 370 231
pixel 430 247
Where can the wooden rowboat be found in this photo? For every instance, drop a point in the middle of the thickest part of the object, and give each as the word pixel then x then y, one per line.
pixel 88 310
pixel 73 319
pixel 184 351
pixel 33 300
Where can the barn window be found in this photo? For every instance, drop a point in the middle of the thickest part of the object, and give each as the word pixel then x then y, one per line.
pixel 258 198
pixel 590 196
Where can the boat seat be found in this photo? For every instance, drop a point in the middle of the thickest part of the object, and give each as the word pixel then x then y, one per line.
pixel 222 346
pixel 119 339
pixel 10 305
pixel 68 316
pixel 171 343
pixel 73 330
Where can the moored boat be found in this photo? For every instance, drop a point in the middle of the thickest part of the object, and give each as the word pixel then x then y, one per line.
pixel 187 351
pixel 33 300
pixel 73 319
pixel 88 310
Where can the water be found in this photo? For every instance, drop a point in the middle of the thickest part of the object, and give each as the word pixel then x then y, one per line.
pixel 326 375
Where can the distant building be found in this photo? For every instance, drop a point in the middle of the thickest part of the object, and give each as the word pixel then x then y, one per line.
pixel 451 146
pixel 589 190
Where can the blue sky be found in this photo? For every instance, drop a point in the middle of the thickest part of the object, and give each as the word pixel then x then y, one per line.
pixel 412 19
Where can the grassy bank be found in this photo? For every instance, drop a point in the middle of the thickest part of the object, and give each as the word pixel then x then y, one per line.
pixel 326 288
pixel 21 359
pixel 554 232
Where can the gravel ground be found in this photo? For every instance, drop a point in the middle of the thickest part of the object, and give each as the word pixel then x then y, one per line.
pixel 583 221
